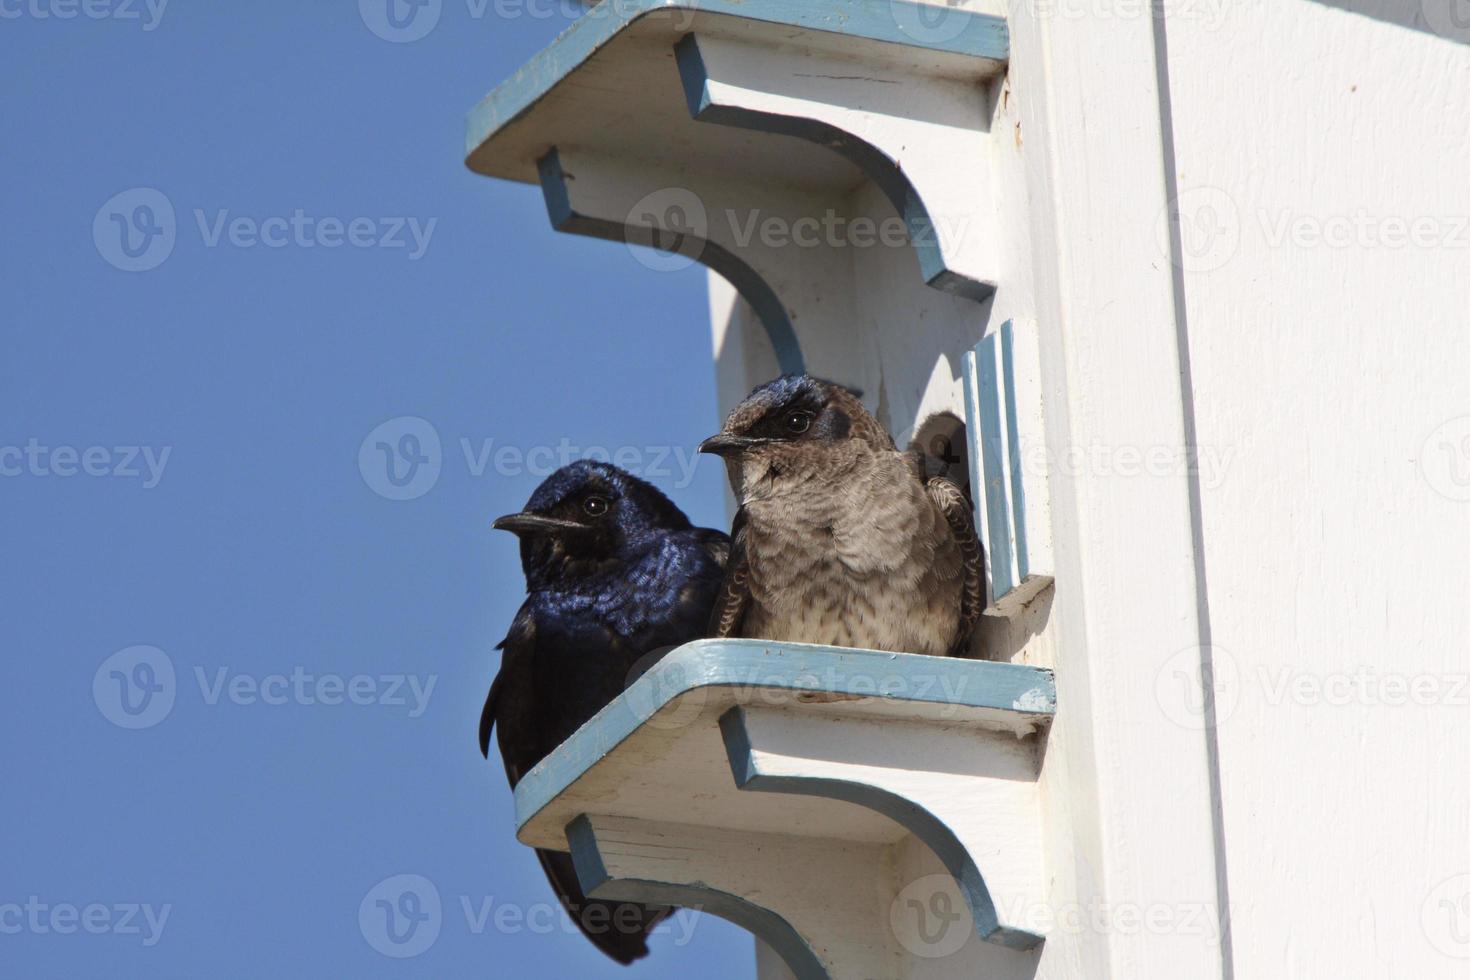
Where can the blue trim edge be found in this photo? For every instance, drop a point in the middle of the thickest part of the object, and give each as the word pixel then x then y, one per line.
pixel 777 933
pixel 883 171
pixel 979 35
pixel 1021 690
pixel 1013 439
pixel 928 828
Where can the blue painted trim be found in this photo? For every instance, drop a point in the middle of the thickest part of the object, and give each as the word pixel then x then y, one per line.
pixel 977 473
pixel 917 820
pixel 1013 429
pixel 1029 693
pixel 981 36
pixel 777 933
pixel 882 170
pixel 982 395
pixel 767 305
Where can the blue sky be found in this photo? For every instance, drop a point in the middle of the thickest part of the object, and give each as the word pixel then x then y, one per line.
pixel 190 482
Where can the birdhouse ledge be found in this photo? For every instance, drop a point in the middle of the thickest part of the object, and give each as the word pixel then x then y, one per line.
pixel 864 813
pixel 777 142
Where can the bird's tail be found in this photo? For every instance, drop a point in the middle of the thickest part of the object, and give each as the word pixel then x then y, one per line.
pixel 619 929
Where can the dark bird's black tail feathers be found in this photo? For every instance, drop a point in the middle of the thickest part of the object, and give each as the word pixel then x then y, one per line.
pixel 612 928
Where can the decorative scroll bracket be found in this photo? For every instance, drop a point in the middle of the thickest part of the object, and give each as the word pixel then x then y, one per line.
pixel 868 788
pixel 934 792
pixel 918 139
pixel 746 179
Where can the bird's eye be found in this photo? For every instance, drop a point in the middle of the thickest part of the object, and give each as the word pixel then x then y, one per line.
pixel 798 421
pixel 595 506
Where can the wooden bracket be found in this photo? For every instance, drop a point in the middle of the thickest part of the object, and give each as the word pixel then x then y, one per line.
pixel 864 813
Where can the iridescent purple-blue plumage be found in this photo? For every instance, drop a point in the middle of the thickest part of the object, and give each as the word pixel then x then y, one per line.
pixel 615 575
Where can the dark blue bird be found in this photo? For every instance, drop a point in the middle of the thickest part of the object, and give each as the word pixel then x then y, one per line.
pixel 614 572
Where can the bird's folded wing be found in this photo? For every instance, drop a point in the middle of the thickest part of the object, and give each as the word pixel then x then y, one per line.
pixel 517 650
pixel 717 543
pixel 951 502
pixel 734 596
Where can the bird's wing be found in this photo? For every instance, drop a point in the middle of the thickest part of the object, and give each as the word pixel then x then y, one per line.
pixel 517 651
pixel 951 502
pixel 622 935
pixel 734 596
pixel 717 543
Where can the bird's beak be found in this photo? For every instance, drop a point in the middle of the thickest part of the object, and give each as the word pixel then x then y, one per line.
pixel 527 523
pixel 728 445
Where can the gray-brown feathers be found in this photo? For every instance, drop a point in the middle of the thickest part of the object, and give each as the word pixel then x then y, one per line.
pixel 956 510
pixel 838 540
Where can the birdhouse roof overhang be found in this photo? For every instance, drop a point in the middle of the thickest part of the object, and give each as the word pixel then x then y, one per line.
pixel 597 86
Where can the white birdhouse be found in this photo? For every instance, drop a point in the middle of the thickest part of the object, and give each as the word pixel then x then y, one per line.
pixel 1060 246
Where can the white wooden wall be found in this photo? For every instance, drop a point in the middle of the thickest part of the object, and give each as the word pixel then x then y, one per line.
pixel 1337 543
pixel 1308 329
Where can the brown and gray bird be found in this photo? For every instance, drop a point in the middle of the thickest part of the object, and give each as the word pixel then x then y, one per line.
pixel 839 540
